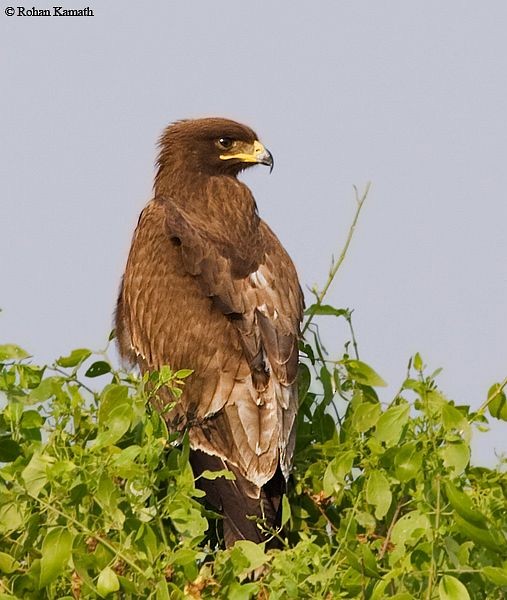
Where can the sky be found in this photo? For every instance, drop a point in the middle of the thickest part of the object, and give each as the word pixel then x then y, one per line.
pixel 411 96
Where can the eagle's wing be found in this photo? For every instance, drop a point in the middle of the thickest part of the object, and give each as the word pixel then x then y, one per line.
pixel 262 299
pixel 192 298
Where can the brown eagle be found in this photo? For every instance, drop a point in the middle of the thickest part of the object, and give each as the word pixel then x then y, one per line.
pixel 209 287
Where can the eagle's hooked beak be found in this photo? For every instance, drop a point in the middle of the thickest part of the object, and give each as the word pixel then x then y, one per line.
pixel 264 156
pixel 254 153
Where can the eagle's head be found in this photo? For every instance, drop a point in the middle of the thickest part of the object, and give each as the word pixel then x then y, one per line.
pixel 211 146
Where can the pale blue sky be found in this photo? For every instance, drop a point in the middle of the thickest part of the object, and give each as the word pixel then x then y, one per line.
pixel 412 96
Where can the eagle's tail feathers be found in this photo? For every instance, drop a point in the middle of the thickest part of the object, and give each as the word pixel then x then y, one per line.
pixel 244 518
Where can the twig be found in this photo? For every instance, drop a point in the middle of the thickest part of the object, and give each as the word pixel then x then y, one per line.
pixel 354 341
pixel 316 502
pixel 336 265
pixel 385 545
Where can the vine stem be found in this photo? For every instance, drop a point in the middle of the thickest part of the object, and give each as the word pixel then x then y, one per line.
pixel 433 565
pixel 336 265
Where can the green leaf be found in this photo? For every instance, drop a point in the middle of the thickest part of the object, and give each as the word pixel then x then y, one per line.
pixel 34 474
pixel 304 381
pixel 76 357
pixel 325 378
pixel 353 560
pixel 451 588
pixel 407 531
pixel 12 352
pixel 498 575
pixel 379 493
pixel 47 388
pixel 497 402
pixel 238 591
pixel 29 375
pixel 456 456
pixel 125 462
pixel 56 550
pixel 326 309
pixel 286 511
pixel 164 375
pixel 183 373
pixel 391 423
pixel 162 591
pixel 369 562
pixel 435 401
pixel 9 449
pixel 407 462
pixel 336 471
pixel 31 419
pixel 379 590
pixel 366 416
pixel 410 527
pixel 8 564
pixel 307 350
pixel 83 560
pixel 366 520
pixel 11 516
pixel 482 536
pixel 107 495
pixel 418 362
pixel 453 419
pixel 107 582
pixel 100 367
pixel 115 415
pixel 363 373
pixel 59 469
pixel 112 396
pixel 225 473
pixel 463 505
pixel 254 553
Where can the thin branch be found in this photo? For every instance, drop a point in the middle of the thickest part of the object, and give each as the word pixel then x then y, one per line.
pixel 394 520
pixel 336 265
pixel 354 341
pixel 323 513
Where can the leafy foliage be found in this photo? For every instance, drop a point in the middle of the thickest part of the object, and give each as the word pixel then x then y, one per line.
pixel 98 498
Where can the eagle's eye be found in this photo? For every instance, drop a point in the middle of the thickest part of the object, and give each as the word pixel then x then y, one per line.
pixel 225 143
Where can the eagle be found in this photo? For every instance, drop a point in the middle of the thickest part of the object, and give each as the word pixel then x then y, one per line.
pixel 209 287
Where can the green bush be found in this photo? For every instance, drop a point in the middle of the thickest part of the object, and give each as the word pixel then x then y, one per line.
pixel 98 502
